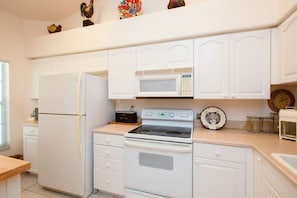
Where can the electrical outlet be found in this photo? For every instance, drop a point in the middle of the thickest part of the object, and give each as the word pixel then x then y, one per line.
pixel 198 116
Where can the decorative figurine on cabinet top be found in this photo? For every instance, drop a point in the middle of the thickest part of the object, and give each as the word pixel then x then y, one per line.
pixel 87 11
pixel 175 4
pixel 129 8
pixel 54 28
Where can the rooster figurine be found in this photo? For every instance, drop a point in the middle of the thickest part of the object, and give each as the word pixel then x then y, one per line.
pixel 87 11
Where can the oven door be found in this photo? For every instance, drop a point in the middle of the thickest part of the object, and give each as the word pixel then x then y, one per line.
pixel 158 168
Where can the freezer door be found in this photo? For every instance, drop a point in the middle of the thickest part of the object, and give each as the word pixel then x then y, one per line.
pixel 62 94
pixel 62 154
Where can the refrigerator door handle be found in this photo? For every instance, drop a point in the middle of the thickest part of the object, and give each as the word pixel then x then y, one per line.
pixel 78 137
pixel 78 99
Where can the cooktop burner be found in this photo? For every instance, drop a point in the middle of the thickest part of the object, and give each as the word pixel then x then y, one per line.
pixel 180 132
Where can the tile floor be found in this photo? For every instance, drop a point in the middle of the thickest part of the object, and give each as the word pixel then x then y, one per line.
pixel 31 189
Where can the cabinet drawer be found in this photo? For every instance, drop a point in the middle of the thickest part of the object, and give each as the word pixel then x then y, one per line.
pixel 29 130
pixel 109 140
pixel 109 164
pixel 109 181
pixel 108 152
pixel 213 151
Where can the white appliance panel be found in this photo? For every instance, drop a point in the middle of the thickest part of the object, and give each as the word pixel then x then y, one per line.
pixel 161 169
pixel 62 94
pixel 62 163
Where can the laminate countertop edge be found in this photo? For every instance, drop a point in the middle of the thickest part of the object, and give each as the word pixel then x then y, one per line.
pixel 10 167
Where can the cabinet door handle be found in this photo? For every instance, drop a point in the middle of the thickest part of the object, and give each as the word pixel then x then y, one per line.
pixel 196 162
pixel 218 154
pixel 107 141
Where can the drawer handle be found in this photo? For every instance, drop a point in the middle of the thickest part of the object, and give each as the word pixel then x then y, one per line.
pixel 197 162
pixel 107 141
pixel 107 153
pixel 218 154
pixel 107 165
pixel 107 182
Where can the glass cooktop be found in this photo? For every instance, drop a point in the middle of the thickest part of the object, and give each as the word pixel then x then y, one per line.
pixel 168 131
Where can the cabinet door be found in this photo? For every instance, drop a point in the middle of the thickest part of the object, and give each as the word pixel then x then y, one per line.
pixel 31 151
pixel 287 32
pixel 250 65
pixel 211 67
pixel 258 175
pixel 269 190
pixel 214 178
pixel 179 54
pixel 121 73
pixel 36 71
pixel 150 57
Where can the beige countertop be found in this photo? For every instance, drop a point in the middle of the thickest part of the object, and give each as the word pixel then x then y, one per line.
pixel 10 167
pixel 31 123
pixel 264 143
pixel 116 129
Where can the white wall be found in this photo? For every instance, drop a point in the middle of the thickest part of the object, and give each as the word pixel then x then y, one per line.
pixel 236 110
pixel 12 47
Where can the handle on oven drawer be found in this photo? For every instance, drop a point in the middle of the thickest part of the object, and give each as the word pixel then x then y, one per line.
pixel 171 147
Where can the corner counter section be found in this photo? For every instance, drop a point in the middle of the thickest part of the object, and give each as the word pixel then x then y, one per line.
pixel 10 176
pixel 263 143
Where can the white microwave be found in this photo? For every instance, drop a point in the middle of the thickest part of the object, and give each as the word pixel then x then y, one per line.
pixel 165 85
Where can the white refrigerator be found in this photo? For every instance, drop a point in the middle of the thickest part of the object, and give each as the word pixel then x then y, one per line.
pixel 70 107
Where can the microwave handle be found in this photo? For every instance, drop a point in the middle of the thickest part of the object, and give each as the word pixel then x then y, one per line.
pixel 159 146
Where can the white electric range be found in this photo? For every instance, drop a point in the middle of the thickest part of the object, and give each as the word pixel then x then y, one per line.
pixel 158 155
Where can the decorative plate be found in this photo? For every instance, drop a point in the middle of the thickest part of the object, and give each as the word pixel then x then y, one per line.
pixel 213 118
pixel 129 8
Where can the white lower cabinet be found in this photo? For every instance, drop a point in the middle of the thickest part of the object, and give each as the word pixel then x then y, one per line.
pixel 108 163
pixel 30 146
pixel 11 187
pixel 222 171
pixel 268 182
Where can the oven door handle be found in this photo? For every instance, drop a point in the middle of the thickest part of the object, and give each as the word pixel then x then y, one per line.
pixel 153 145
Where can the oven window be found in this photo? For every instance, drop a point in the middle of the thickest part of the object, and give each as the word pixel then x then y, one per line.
pixel 156 161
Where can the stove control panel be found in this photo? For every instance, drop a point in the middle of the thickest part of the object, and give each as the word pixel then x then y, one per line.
pixel 168 114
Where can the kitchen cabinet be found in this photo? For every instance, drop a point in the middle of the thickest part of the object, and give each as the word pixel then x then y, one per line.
pixel 11 187
pixel 169 55
pixel 30 146
pixel 108 163
pixel 268 181
pixel 233 66
pixel 216 164
pixel 285 69
pixel 121 73
pixel 91 62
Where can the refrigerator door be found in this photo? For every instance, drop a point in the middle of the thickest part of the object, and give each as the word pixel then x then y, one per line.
pixel 62 153
pixel 62 94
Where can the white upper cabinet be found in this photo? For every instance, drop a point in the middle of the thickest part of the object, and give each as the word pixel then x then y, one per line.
pixel 92 62
pixel 233 66
pixel 250 64
pixel 121 73
pixel 211 67
pixel 170 55
pixel 285 69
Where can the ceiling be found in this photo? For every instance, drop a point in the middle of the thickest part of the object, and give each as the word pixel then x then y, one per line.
pixel 49 10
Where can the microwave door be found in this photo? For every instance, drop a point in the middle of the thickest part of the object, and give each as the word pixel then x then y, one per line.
pixel 158 86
